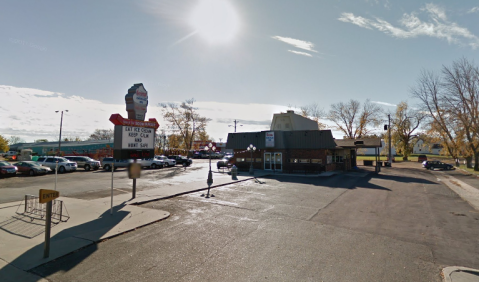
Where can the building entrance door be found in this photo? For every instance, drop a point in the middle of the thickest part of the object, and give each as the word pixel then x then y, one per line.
pixel 278 161
pixel 268 161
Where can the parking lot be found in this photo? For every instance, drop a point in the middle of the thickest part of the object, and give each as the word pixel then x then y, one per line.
pixel 97 184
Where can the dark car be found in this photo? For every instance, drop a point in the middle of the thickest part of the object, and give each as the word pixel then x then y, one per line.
pixel 181 160
pixel 440 165
pixel 85 162
pixel 225 162
pixel 422 158
pixel 7 169
pixel 32 168
pixel 437 164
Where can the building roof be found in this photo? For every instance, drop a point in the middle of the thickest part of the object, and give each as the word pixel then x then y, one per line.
pixel 297 139
pixel 356 143
pixel 290 121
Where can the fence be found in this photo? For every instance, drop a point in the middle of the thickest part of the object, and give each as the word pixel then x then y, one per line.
pixel 35 210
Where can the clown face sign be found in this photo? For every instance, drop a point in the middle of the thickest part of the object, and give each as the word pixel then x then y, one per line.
pixel 136 102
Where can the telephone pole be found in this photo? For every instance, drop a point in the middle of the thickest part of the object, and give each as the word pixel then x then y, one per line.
pixel 235 122
pixel 389 134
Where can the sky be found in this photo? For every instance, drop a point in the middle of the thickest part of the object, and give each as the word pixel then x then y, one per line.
pixel 239 59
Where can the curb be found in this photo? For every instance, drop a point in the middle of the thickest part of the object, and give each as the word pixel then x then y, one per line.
pixel 448 271
pixel 188 192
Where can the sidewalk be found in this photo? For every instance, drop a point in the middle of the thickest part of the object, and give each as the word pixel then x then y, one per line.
pixel 22 239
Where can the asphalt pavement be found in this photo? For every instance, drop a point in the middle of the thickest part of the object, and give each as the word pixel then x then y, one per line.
pixel 402 225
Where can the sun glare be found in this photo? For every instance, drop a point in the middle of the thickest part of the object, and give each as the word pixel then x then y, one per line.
pixel 215 20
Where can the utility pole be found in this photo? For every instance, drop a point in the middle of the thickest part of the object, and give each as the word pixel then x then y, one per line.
pixel 389 134
pixel 235 122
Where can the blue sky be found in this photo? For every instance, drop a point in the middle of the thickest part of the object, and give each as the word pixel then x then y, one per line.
pixel 282 53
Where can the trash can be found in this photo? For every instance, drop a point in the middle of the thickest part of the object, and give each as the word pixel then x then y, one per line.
pixel 234 173
pixel 380 163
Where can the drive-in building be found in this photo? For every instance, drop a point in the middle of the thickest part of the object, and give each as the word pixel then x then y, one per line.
pixel 294 143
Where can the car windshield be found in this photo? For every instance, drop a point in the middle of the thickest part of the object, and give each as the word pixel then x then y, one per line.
pixel 62 160
pixel 4 164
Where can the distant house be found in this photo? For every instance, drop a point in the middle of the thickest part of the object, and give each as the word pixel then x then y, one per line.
pixel 426 148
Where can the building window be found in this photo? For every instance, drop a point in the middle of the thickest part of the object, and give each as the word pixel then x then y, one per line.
pixel 239 160
pixel 316 161
pixel 293 160
pixel 258 160
pixel 304 161
pixel 286 125
pixel 248 160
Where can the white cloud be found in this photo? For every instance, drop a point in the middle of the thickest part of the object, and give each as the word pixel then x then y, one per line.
pixel 384 104
pixel 301 44
pixel 473 10
pixel 436 25
pixel 300 53
pixel 30 114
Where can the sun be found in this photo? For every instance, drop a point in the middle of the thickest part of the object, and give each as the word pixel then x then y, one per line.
pixel 215 20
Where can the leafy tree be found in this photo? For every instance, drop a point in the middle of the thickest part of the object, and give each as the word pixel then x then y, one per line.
pixel 405 123
pixel 101 134
pixel 355 120
pixel 4 144
pixel 185 120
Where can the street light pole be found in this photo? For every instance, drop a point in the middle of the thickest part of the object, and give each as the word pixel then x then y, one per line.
pixel 210 148
pixel 251 149
pixel 60 138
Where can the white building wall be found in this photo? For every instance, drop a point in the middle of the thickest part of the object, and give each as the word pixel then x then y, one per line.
pixel 384 149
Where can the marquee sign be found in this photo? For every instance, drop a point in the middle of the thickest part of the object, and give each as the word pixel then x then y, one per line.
pixel 134 138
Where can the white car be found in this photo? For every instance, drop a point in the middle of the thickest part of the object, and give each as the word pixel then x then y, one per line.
pixel 152 163
pixel 168 162
pixel 63 164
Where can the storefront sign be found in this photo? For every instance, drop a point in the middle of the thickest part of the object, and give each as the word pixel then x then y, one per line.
pixel 269 139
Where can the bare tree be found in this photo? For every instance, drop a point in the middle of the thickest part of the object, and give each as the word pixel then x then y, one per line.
pixel 314 112
pixel 354 120
pixel 452 105
pixel 185 120
pixel 15 140
pixel 101 134
pixel 405 123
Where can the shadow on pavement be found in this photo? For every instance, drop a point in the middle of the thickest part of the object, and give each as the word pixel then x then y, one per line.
pixel 69 240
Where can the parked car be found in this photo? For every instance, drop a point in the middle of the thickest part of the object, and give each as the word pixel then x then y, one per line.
pixel 422 158
pixel 107 163
pixel 32 168
pixel 437 164
pixel 7 169
pixel 152 163
pixel 225 162
pixel 181 160
pixel 84 162
pixel 166 161
pixel 64 165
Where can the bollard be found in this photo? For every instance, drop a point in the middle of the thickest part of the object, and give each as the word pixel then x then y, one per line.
pixel 234 173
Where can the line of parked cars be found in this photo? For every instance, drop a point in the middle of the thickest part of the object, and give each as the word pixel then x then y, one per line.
pixel 47 164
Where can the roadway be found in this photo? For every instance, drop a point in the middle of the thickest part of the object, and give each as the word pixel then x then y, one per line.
pixel 401 225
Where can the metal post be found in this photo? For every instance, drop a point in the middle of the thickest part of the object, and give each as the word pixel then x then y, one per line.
pixel 60 138
pixel 56 174
pixel 251 169
pixel 26 203
pixel 48 225
pixel 389 136
pixel 134 186
pixel 112 170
